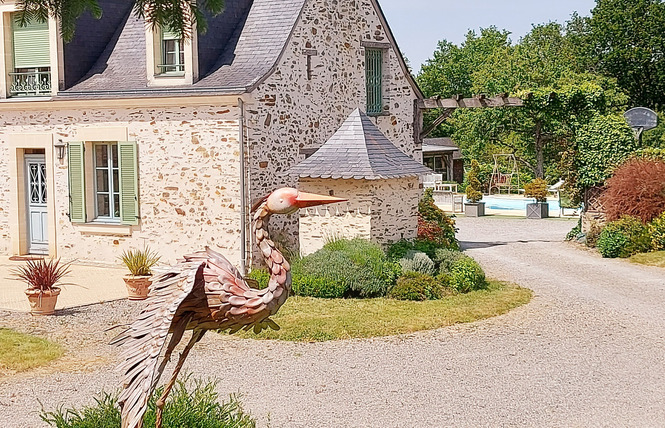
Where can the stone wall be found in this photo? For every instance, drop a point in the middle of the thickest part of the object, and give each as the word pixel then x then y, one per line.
pixel 318 226
pixel 383 211
pixel 293 112
pixel 396 207
pixel 188 179
pixel 5 202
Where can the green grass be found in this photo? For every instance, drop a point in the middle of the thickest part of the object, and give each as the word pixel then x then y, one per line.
pixel 305 319
pixel 656 258
pixel 20 352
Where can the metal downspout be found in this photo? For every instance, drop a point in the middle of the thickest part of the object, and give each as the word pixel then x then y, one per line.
pixel 243 190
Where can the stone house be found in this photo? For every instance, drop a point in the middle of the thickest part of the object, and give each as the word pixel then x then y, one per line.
pixel 128 135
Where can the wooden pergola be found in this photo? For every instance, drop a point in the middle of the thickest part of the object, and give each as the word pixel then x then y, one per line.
pixel 449 105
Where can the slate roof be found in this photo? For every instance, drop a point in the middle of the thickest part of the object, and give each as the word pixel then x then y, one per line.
pixel 249 56
pixel 359 150
pixel 442 145
pixel 107 58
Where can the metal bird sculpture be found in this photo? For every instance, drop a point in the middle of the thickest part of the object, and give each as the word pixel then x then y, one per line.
pixel 203 292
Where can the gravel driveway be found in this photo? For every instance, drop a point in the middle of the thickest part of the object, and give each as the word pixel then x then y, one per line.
pixel 588 351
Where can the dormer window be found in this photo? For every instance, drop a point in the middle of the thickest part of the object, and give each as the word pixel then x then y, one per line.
pixel 31 71
pixel 173 54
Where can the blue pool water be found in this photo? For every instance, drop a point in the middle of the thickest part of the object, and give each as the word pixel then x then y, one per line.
pixel 499 203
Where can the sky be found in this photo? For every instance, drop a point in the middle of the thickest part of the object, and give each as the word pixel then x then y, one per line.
pixel 418 25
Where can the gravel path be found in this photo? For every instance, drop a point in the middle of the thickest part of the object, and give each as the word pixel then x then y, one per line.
pixel 588 351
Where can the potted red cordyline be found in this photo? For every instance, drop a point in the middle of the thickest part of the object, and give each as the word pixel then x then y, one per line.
pixel 42 277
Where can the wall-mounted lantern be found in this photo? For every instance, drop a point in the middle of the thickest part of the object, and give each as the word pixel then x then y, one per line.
pixel 60 150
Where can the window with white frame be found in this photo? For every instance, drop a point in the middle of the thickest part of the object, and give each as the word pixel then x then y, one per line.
pixel 103 185
pixel 172 53
pixel 107 182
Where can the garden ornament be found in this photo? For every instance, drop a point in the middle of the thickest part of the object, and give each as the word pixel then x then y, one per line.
pixel 203 292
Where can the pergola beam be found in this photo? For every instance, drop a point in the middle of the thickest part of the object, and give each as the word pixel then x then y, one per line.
pixel 479 101
pixel 451 104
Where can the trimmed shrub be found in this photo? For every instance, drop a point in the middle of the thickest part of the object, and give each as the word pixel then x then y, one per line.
pixel 322 274
pixel 345 268
pixel 417 262
pixel 445 258
pixel 467 275
pixel 198 408
pixel 473 186
pixel 623 238
pixel 536 189
pixel 636 189
pixel 306 285
pixel 400 249
pixel 657 230
pixel 261 276
pixel 416 286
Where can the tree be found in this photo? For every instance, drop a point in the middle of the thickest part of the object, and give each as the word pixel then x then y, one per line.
pixel 179 16
pixel 625 39
pixel 450 71
pixel 542 69
pixel 540 132
pixel 603 144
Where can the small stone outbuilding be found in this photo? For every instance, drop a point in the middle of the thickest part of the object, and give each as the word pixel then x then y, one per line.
pixel 380 181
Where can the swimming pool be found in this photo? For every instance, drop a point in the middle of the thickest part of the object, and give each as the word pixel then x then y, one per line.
pixel 517 204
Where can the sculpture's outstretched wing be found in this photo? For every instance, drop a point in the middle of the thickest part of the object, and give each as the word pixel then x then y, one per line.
pixel 144 339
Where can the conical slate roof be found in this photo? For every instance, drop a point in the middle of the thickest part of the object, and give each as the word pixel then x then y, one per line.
pixel 359 150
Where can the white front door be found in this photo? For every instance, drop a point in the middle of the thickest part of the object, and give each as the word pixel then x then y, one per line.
pixel 35 167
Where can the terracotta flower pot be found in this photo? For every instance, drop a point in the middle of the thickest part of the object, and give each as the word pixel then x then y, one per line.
pixel 137 286
pixel 42 303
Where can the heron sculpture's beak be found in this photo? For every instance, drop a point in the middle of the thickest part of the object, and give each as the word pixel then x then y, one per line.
pixel 304 200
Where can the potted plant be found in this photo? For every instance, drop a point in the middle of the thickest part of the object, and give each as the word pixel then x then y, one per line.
pixel 42 277
pixel 537 189
pixel 139 263
pixel 473 207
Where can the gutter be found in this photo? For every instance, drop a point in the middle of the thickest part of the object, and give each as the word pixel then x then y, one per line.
pixel 243 190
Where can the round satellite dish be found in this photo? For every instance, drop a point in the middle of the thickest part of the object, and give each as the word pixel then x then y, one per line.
pixel 641 118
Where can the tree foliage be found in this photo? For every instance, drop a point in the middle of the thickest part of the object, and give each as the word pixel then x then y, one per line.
pixel 545 71
pixel 625 39
pixel 603 144
pixel 179 16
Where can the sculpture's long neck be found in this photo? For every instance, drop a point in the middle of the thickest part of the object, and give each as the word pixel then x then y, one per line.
pixel 278 266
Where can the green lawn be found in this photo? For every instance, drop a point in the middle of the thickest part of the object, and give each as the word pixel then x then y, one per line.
pixel 20 352
pixel 656 258
pixel 304 319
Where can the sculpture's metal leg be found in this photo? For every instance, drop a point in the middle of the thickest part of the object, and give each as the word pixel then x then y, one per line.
pixel 196 336
pixel 178 332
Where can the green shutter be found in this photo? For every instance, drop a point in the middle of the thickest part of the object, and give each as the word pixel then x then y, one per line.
pixel 129 183
pixel 170 35
pixel 76 182
pixel 31 44
pixel 374 80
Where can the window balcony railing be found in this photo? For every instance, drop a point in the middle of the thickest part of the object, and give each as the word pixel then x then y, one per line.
pixel 171 68
pixel 30 83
